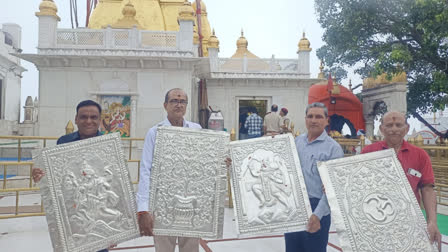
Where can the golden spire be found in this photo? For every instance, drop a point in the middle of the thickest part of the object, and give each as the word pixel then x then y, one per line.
pixel 69 128
pixel 213 42
pixel 195 35
pixel 186 12
pixel 48 8
pixel 321 68
pixel 128 21
pixel 242 41
pixel 304 44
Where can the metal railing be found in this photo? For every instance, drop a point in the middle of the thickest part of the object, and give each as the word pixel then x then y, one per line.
pixel 437 153
pixel 116 39
pixel 255 65
pixel 439 160
pixel 30 187
pixel 129 143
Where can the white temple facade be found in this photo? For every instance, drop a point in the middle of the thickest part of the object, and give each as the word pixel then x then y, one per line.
pixel 129 70
pixel 10 78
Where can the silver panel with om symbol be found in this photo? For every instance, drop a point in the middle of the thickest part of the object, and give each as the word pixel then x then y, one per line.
pixel 372 204
pixel 269 192
pixel 188 182
pixel 87 194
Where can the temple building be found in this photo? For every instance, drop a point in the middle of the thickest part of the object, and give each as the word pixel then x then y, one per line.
pixel 133 52
pixel 10 79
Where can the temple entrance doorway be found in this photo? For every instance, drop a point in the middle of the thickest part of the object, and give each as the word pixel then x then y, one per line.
pixel 244 103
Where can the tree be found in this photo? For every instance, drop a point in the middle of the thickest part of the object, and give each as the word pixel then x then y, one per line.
pixel 389 36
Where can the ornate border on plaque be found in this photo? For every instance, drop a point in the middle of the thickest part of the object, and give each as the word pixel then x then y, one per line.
pixel 269 191
pixel 372 204
pixel 87 194
pixel 188 182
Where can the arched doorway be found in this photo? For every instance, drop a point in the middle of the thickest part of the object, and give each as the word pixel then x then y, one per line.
pixel 337 122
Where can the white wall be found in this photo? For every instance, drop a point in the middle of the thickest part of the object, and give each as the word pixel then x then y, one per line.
pixel 62 89
pixel 223 95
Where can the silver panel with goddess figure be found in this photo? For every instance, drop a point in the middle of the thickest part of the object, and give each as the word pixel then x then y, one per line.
pixel 269 192
pixel 372 204
pixel 87 194
pixel 188 182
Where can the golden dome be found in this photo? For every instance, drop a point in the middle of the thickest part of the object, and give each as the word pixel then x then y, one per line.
pixel 186 12
pixel 203 7
pixel 128 21
pixel 148 14
pixel 242 41
pixel 254 62
pixel 129 10
pixel 48 8
pixel 304 44
pixel 213 42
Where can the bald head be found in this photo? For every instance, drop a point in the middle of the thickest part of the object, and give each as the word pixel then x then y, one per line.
pixel 179 90
pixel 394 127
pixel 394 115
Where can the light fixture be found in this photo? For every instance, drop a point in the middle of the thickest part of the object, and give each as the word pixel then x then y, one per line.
pixel 332 100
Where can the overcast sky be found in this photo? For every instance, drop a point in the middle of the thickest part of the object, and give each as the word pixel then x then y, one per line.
pixel 272 27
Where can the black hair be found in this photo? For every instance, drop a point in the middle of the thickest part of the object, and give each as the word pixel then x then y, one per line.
pixel 88 103
pixel 274 108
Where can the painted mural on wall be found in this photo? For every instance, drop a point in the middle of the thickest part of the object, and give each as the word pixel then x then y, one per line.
pixel 116 115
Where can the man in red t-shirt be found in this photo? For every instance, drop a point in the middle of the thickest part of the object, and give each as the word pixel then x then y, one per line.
pixel 415 162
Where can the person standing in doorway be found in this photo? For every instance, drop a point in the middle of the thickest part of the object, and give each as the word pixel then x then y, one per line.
pixel 284 120
pixel 254 123
pixel 271 124
pixel 242 120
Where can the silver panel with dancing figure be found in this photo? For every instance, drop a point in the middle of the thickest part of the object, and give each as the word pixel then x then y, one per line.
pixel 188 182
pixel 87 194
pixel 269 191
pixel 372 204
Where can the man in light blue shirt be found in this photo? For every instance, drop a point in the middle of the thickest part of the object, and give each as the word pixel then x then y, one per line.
pixel 312 147
pixel 175 104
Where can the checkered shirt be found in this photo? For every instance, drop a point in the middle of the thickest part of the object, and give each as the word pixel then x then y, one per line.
pixel 254 123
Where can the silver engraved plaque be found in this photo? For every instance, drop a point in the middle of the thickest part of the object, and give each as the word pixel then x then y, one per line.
pixel 372 204
pixel 188 182
pixel 269 192
pixel 87 194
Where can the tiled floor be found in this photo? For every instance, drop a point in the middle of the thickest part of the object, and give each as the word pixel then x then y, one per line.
pixel 31 234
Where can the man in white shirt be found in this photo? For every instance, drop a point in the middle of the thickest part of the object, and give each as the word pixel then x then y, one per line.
pixel 175 104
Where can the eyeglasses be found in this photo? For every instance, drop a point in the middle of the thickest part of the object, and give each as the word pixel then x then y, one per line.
pixel 176 101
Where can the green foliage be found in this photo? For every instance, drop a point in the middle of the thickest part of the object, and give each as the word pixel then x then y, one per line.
pixel 377 36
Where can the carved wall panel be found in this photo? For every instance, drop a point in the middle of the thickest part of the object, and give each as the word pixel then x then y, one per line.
pixel 269 192
pixel 188 182
pixel 87 194
pixel 372 204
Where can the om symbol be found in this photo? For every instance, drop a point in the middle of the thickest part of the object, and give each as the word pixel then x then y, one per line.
pixel 379 208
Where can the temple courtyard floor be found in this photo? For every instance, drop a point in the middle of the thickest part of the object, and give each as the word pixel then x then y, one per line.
pixel 31 234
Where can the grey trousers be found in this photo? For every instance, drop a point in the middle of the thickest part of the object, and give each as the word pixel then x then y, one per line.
pixel 168 243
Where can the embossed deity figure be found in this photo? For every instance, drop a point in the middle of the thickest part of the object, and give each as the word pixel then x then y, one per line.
pixel 271 186
pixel 95 193
pixel 88 115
